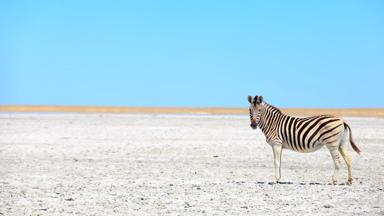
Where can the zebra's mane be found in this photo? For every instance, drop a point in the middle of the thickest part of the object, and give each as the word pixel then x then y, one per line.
pixel 272 108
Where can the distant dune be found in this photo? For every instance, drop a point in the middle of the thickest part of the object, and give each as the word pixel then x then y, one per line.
pixel 363 112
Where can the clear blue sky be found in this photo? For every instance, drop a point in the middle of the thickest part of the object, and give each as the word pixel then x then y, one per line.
pixel 192 53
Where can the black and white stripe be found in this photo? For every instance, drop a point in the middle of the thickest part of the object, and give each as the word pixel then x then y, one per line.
pixel 300 134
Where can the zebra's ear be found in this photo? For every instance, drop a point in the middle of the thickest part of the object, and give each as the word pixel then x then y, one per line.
pixel 260 99
pixel 250 99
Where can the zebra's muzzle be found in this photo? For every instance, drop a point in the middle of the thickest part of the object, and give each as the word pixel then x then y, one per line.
pixel 253 125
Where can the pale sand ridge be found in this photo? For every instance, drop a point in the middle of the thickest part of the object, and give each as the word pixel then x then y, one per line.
pixel 363 112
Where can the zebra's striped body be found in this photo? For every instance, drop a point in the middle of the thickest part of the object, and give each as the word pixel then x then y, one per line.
pixel 301 134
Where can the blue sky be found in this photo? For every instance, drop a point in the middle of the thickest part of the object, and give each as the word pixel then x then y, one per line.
pixel 192 53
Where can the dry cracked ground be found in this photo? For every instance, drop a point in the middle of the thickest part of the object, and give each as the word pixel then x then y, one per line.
pixel 122 164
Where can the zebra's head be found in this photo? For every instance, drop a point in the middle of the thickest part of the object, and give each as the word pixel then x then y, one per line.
pixel 254 110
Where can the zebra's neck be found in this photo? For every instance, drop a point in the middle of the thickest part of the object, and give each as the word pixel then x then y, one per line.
pixel 268 112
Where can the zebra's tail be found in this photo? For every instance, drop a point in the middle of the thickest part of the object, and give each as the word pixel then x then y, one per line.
pixel 353 144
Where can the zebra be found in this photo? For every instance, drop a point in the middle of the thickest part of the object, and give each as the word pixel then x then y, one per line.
pixel 302 134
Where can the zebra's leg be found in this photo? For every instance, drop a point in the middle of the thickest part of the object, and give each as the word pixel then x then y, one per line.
pixel 334 149
pixel 277 148
pixel 348 160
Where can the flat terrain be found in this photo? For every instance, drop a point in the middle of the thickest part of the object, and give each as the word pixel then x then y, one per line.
pixel 359 112
pixel 134 164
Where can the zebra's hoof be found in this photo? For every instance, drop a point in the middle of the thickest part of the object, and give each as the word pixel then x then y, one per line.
pixel 334 182
pixel 277 180
pixel 349 182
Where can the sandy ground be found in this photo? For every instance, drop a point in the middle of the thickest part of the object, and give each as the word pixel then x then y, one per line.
pixel 359 112
pixel 125 164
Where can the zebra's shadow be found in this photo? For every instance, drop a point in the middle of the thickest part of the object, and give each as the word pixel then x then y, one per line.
pixel 297 183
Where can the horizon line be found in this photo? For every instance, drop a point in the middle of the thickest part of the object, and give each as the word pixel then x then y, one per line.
pixel 301 111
